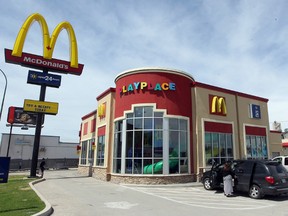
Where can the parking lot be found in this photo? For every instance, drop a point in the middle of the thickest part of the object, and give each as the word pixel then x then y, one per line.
pixel 71 194
pixel 199 197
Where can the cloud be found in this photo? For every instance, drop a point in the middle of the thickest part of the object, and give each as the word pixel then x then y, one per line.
pixel 239 45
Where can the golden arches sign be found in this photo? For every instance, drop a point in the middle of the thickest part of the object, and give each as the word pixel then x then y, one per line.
pixel 218 105
pixel 48 42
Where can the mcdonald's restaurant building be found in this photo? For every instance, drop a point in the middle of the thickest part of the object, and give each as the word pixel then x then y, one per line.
pixel 159 126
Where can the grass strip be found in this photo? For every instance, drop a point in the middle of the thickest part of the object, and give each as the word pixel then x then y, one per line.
pixel 17 198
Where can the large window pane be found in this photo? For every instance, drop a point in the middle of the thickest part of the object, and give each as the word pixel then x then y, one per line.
pixel 158 144
pixel 117 145
pixel 158 114
pixel 158 166
pixel 138 124
pixel 100 151
pixel 148 111
pixel 138 111
pixel 129 143
pixel 148 123
pixel 183 125
pixel 173 124
pixel 138 144
pixel 173 141
pixel 158 123
pixel 248 147
pixel 256 147
pixel 137 166
pixel 129 124
pixel 208 148
pixel 222 147
pixel 183 144
pixel 215 144
pixel 218 147
pixel 147 143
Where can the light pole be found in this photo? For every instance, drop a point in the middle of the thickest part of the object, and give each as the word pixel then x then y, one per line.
pixel 4 94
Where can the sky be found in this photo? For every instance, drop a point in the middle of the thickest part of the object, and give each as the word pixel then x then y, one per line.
pixel 239 45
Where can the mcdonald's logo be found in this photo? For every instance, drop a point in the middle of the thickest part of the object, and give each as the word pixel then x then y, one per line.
pixel 16 55
pixel 101 110
pixel 217 105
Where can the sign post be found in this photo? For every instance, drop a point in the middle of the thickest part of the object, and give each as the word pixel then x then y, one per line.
pixel 38 132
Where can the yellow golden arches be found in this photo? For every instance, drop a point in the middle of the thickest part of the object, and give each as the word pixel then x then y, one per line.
pixel 218 105
pixel 102 110
pixel 48 43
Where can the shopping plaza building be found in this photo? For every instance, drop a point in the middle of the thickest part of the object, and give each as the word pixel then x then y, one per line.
pixel 160 125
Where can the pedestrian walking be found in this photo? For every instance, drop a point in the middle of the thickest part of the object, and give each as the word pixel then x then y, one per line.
pixel 42 167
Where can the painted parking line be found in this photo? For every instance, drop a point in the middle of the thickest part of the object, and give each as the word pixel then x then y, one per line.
pixel 199 197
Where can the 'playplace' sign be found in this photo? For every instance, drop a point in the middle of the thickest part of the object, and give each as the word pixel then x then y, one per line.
pixel 136 86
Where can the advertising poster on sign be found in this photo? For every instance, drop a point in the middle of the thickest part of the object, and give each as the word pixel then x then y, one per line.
pixel 16 115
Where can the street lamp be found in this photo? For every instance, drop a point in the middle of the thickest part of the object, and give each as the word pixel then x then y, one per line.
pixel 3 93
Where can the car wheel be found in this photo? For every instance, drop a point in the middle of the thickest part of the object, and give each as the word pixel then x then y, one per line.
pixel 207 184
pixel 255 192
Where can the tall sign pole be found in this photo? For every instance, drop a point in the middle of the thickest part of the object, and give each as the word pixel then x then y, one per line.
pixel 38 131
pixel 45 63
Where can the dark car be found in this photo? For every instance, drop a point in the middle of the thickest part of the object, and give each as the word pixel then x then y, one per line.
pixel 256 177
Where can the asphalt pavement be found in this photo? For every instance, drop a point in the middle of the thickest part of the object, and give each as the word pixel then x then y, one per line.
pixel 67 193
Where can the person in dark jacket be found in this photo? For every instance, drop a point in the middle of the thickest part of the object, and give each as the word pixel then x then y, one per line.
pixel 42 167
pixel 228 180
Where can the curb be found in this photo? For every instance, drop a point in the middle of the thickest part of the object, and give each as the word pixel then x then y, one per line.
pixel 48 210
pixel 194 184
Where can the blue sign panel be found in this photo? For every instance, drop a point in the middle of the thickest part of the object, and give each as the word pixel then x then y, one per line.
pixel 255 111
pixel 39 78
pixel 4 169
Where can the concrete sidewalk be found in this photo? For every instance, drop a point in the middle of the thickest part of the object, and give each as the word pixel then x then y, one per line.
pixel 66 192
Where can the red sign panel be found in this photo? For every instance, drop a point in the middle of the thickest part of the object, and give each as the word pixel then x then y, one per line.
pixel 38 62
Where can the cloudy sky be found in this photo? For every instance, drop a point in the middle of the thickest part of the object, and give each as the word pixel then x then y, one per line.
pixel 240 45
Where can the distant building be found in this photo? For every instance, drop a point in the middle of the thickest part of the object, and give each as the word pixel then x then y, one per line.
pixel 57 154
pixel 161 126
pixel 285 141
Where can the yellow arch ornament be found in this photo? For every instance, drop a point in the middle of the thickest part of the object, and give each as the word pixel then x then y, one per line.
pixel 48 42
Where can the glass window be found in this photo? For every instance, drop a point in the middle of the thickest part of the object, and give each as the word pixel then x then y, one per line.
pixel 158 144
pixel 148 123
pixel 148 111
pixel 138 111
pixel 173 124
pixel 129 125
pixel 138 144
pixel 138 124
pixel 218 147
pixel 117 147
pixel 100 151
pixel 147 143
pixel 158 114
pixel 129 115
pixel 208 148
pixel 144 150
pixel 158 123
pixel 84 152
pixel 256 147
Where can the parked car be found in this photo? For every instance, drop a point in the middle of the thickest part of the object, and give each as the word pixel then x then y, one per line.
pixel 283 160
pixel 256 177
